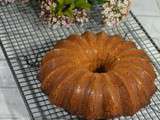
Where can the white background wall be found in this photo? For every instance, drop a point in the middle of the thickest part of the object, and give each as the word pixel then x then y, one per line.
pixel 148 12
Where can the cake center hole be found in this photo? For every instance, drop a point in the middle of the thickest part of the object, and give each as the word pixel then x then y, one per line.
pixel 100 69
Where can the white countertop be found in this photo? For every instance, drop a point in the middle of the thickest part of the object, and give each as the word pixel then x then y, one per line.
pixel 11 104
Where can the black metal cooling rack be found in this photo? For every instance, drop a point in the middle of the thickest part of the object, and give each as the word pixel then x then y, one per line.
pixel 25 39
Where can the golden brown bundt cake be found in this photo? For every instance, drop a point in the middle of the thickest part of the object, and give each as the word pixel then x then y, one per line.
pixel 97 76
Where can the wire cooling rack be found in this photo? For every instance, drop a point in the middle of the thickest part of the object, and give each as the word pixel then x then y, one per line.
pixel 25 39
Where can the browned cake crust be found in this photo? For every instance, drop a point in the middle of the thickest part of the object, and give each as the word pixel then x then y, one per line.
pixel 97 76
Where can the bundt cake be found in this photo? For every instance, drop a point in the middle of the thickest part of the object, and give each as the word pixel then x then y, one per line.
pixel 97 76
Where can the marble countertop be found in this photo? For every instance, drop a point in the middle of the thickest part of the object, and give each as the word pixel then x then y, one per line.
pixel 11 104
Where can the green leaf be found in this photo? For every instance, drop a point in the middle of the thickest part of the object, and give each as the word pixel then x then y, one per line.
pixel 101 1
pixel 66 7
pixel 52 9
pixel 68 1
pixel 60 13
pixel 84 4
pixel 59 9
pixel 69 11
pixel 60 1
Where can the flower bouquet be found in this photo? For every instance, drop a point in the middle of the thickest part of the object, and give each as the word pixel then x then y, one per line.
pixel 67 12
